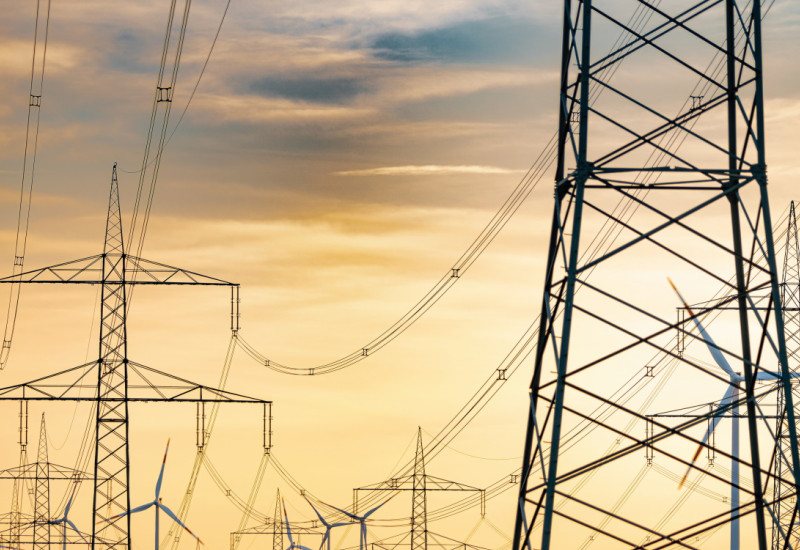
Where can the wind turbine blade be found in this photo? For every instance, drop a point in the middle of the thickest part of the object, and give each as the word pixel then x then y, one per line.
pixel 76 530
pixel 767 375
pixel 712 347
pixel 176 520
pixel 348 514
pixel 161 474
pixel 726 399
pixel 322 519
pixel 378 506
pixel 69 505
pixel 288 527
pixel 132 511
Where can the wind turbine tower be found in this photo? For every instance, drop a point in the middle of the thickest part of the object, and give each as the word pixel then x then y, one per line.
pixel 661 171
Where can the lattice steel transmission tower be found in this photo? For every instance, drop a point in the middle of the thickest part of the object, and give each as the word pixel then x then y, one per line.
pixel 783 491
pixel 116 379
pixel 661 172
pixel 40 474
pixel 277 527
pixel 420 483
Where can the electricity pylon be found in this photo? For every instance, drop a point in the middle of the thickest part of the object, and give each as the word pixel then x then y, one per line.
pixel 117 380
pixel 40 474
pixel 661 171
pixel 783 490
pixel 420 483
pixel 275 526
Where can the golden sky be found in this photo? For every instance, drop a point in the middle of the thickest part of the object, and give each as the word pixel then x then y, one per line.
pixel 336 160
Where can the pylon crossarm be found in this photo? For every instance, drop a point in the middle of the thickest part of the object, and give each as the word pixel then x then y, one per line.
pixel 158 273
pixel 400 483
pixel 145 384
pixel 268 528
pixel 138 271
pixel 57 472
pixel 54 386
pixel 87 270
pixel 434 483
pixel 168 387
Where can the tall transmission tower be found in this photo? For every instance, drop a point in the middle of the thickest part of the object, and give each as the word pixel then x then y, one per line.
pixel 420 483
pixel 41 510
pixel 275 526
pixel 783 491
pixel 40 474
pixel 661 160
pixel 116 379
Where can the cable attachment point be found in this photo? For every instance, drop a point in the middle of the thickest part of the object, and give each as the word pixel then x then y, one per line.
pixel 164 93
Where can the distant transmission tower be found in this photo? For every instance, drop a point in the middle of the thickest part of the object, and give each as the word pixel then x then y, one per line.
pixel 118 381
pixel 420 484
pixel 783 490
pixel 275 526
pixel 661 173
pixel 40 474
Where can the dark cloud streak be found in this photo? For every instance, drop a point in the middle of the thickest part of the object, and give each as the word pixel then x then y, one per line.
pixel 333 90
pixel 498 39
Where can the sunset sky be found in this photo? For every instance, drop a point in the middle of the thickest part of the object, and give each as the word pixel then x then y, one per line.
pixel 336 160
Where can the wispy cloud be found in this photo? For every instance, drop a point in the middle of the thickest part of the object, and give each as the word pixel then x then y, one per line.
pixel 427 170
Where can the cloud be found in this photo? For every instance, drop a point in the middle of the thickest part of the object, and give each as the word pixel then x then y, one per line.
pixel 313 89
pixel 427 170
pixel 254 109
pixel 496 39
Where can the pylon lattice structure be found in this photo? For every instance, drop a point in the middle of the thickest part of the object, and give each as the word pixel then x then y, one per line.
pixel 40 474
pixel 118 381
pixel 419 483
pixel 275 526
pixel 661 172
pixel 784 490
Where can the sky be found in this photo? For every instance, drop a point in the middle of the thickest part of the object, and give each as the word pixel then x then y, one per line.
pixel 335 160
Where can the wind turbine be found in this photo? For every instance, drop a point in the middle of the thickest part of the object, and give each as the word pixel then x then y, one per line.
pixel 65 521
pixel 362 543
pixel 158 504
pixel 292 544
pixel 730 398
pixel 328 526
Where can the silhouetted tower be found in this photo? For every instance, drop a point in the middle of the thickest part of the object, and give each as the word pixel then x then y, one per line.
pixel 41 510
pixel 112 476
pixel 115 374
pixel 275 526
pixel 783 489
pixel 419 500
pixel 277 523
pixel 661 171
pixel 420 483
pixel 39 474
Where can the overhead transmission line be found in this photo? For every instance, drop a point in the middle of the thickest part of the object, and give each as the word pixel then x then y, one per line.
pixel 162 102
pixel 520 352
pixel 487 235
pixel 603 241
pixel 40 33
